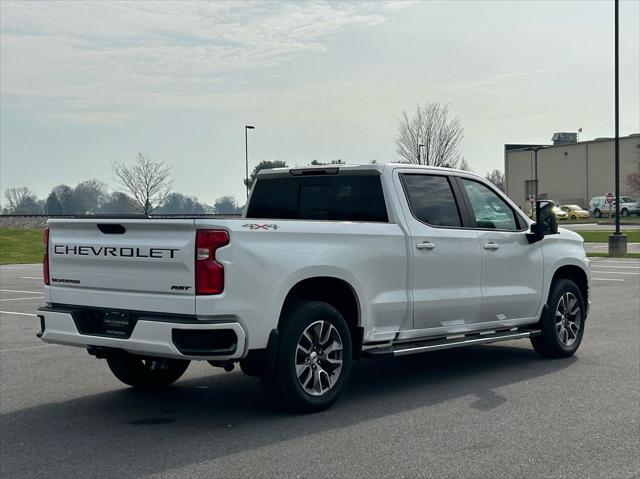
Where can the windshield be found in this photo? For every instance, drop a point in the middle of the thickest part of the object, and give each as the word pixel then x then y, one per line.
pixel 626 199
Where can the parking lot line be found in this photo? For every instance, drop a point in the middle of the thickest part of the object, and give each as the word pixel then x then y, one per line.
pixel 18 291
pixel 17 314
pixel 25 348
pixel 612 261
pixel 15 266
pixel 23 299
pixel 616 267
pixel 615 272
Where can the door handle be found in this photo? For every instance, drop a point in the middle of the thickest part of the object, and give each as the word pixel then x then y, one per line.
pixel 425 245
pixel 491 245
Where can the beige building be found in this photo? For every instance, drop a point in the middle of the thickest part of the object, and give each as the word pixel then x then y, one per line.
pixel 569 173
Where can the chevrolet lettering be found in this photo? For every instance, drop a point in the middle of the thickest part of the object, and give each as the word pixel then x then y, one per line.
pixel 123 252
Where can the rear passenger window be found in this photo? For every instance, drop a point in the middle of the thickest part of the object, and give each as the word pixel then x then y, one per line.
pixel 326 197
pixel 431 199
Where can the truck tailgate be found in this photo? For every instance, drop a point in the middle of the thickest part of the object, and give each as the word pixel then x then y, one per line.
pixel 141 264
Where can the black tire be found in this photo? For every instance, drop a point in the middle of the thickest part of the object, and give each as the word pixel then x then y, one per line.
pixel 284 388
pixel 549 343
pixel 597 213
pixel 146 373
pixel 624 212
pixel 574 218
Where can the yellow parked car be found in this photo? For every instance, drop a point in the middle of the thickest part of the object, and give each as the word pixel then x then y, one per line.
pixel 559 212
pixel 574 212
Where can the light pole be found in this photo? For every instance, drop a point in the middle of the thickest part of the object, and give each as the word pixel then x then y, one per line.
pixel 419 148
pixel 617 241
pixel 246 156
pixel 535 150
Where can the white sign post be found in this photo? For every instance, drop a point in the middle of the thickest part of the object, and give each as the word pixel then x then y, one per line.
pixel 609 199
pixel 532 202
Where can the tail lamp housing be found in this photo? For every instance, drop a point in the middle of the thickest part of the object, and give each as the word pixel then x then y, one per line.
pixel 209 273
pixel 45 257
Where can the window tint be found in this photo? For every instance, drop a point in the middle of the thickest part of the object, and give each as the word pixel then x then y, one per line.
pixel 326 197
pixel 431 199
pixel 488 208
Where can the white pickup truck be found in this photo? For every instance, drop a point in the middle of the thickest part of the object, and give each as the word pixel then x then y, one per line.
pixel 326 265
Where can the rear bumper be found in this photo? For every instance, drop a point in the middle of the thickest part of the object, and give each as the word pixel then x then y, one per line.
pixel 167 337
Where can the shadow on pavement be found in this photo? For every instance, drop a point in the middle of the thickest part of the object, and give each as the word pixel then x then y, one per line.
pixel 128 433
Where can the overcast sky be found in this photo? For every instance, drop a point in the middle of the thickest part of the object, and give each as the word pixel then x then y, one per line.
pixel 85 83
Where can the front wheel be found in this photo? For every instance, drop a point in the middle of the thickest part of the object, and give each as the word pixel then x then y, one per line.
pixel 563 322
pixel 573 218
pixel 313 359
pixel 146 373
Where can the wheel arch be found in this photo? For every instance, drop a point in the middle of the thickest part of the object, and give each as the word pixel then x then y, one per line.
pixel 576 274
pixel 334 291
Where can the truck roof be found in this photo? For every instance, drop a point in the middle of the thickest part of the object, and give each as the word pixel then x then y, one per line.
pixel 379 168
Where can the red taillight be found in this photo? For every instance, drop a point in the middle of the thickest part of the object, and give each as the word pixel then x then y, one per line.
pixel 45 258
pixel 209 273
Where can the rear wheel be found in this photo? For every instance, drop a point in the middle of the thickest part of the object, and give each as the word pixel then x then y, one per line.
pixel 624 212
pixel 574 217
pixel 563 322
pixel 146 373
pixel 597 213
pixel 313 359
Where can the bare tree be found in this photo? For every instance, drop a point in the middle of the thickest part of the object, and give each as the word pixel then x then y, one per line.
pixel 66 198
pixel 497 178
pixel 89 195
pixel 632 179
pixel 17 197
pixel 463 164
pixel 227 205
pixel 177 203
pixel 148 181
pixel 430 126
pixel 118 203
pixel 21 201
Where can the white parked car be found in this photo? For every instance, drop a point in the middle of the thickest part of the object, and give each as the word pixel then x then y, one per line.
pixel 328 265
pixel 599 207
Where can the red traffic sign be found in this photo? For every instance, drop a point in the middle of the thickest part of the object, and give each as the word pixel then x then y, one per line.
pixel 609 198
pixel 532 199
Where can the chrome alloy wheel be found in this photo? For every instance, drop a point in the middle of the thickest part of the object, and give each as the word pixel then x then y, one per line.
pixel 568 319
pixel 318 358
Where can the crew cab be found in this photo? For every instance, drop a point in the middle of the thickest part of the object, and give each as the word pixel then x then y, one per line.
pixel 327 265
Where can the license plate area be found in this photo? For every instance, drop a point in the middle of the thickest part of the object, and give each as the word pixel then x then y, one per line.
pixel 116 324
pixel 95 322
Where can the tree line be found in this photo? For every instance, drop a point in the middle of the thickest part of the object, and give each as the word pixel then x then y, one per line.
pixel 145 187
pixel 428 136
pixel 65 200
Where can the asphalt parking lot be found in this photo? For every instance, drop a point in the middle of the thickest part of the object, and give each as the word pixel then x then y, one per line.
pixel 488 411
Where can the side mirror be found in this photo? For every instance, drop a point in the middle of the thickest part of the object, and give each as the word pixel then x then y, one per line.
pixel 546 222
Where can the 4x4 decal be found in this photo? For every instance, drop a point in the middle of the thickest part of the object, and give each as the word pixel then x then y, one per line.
pixel 256 226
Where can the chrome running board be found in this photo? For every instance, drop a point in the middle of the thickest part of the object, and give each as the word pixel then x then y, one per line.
pixel 415 347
